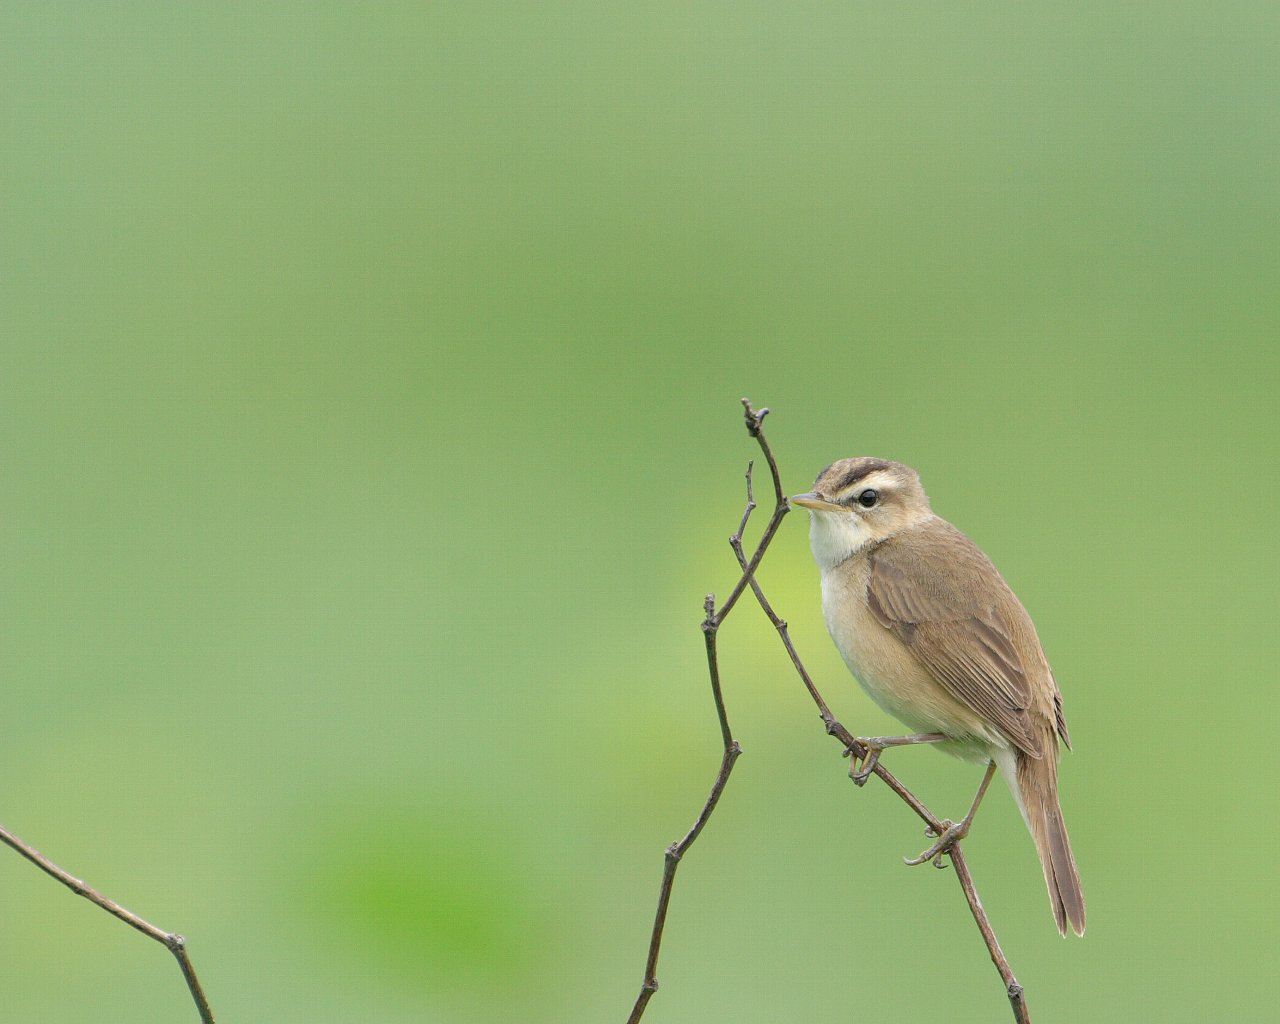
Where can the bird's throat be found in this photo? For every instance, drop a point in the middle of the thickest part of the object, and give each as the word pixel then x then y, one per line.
pixel 834 537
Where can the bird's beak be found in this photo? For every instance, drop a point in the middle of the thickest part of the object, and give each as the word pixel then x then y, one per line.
pixel 816 502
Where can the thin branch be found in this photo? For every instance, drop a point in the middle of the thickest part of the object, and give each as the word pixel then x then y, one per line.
pixel 171 941
pixel 710 626
pixel 1020 1012
pixel 850 743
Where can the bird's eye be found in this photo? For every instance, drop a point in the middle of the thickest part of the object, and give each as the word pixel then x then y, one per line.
pixel 868 498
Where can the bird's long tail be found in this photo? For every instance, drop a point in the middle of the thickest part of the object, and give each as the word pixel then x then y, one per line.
pixel 1034 782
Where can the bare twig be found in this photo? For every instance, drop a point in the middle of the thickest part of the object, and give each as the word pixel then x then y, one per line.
pixel 171 941
pixel 711 621
pixel 1020 1012
pixel 850 744
pixel 710 625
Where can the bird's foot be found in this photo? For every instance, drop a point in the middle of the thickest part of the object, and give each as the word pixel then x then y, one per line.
pixel 871 752
pixel 874 746
pixel 952 833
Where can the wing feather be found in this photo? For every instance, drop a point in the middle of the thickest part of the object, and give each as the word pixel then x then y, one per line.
pixel 938 594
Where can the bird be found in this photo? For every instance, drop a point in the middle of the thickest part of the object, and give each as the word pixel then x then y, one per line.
pixel 936 638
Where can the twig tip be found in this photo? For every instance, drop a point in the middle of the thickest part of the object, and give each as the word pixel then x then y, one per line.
pixel 709 622
pixel 754 417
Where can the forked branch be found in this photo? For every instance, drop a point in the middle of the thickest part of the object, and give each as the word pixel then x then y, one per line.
pixel 171 941
pixel 711 623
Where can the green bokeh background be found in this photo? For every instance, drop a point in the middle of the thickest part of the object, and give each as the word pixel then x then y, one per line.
pixel 370 440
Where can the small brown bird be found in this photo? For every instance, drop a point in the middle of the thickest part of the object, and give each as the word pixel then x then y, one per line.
pixel 937 639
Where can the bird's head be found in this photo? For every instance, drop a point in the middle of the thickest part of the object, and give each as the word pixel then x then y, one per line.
pixel 859 501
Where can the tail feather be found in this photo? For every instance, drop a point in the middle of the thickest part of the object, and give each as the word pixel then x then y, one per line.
pixel 1035 784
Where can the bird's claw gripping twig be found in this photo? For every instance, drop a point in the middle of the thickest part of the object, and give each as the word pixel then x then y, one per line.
pixel 870 758
pixel 952 833
pixel 874 746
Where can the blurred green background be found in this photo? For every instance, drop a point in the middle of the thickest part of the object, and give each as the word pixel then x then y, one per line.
pixel 370 430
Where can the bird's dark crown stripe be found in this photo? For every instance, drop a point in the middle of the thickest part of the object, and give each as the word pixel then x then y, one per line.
pixel 857 473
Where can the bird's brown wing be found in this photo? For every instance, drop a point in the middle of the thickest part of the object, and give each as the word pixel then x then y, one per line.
pixel 942 597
